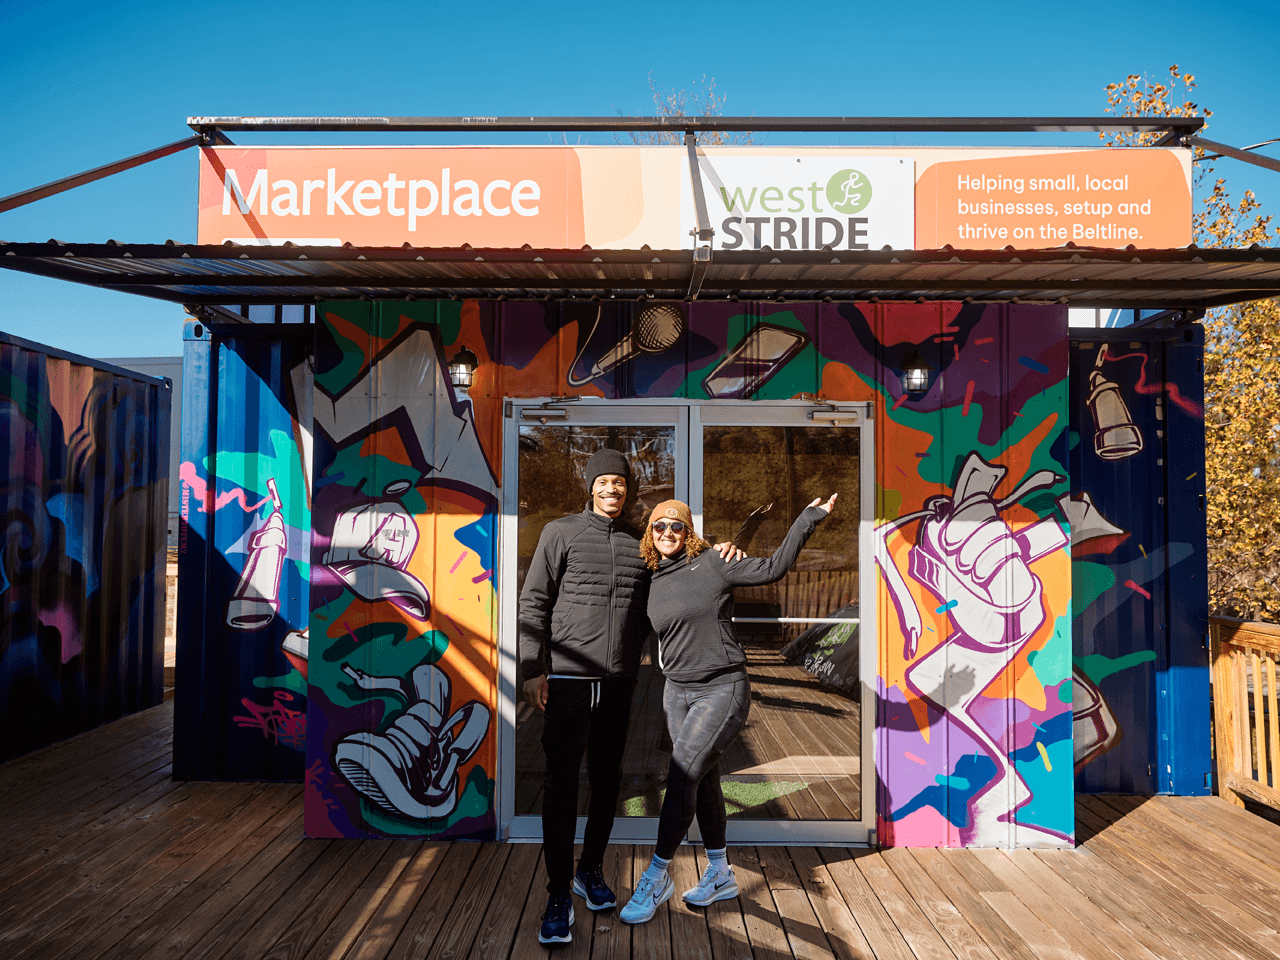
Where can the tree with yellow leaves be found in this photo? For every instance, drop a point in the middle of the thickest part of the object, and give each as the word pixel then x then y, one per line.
pixel 1242 378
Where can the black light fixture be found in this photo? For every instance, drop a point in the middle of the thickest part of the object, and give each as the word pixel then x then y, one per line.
pixel 461 367
pixel 915 373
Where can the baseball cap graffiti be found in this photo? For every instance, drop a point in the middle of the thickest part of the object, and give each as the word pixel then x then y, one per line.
pixel 849 191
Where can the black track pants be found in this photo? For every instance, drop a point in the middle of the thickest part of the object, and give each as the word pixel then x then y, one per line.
pixel 582 716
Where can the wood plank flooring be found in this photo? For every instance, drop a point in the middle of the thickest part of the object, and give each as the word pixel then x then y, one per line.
pixel 106 857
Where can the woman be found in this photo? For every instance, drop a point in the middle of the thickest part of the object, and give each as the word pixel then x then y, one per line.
pixel 707 695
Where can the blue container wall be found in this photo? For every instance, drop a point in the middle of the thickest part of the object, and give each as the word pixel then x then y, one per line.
pixel 1141 669
pixel 244 537
pixel 84 486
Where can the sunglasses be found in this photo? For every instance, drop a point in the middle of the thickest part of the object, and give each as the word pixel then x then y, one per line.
pixel 677 526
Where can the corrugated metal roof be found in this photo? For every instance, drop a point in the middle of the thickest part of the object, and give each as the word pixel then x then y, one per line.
pixel 1081 276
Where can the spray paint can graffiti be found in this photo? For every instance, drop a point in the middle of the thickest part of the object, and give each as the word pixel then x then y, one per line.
pixel 257 596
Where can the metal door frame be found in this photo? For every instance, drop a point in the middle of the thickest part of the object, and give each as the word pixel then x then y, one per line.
pixel 688 417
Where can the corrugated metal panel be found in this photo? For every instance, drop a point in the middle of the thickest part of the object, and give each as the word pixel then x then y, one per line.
pixel 243 553
pixel 289 274
pixel 83 498
pixel 164 368
pixel 1139 562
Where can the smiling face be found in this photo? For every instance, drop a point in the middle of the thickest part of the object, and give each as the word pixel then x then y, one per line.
pixel 609 494
pixel 669 540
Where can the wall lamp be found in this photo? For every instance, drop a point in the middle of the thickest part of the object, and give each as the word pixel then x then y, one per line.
pixel 915 373
pixel 461 368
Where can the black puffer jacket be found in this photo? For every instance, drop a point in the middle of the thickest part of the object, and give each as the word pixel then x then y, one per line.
pixel 584 600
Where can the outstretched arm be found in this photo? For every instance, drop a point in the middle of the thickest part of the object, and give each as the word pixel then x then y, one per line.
pixel 757 571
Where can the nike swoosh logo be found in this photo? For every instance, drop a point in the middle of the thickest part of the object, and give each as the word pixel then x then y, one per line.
pixel 722 883
pixel 694 567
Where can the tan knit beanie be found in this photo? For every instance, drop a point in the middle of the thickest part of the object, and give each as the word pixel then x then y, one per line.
pixel 672 510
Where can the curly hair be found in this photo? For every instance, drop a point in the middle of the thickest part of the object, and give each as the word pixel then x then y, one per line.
pixel 693 545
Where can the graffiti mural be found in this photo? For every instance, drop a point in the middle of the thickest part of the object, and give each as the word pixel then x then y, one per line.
pixel 975 560
pixel 83 504
pixel 243 554
pixel 992 553
pixel 975 737
pixel 1138 562
pixel 401 651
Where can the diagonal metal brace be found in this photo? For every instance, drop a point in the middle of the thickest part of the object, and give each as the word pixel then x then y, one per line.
pixel 98 173
pixel 1234 153
pixel 702 236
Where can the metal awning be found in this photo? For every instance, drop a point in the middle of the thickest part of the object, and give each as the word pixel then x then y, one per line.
pixel 1080 276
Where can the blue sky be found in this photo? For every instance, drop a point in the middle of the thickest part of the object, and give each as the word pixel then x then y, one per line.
pixel 88 83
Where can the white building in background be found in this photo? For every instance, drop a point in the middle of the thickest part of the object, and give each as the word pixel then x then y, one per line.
pixel 170 367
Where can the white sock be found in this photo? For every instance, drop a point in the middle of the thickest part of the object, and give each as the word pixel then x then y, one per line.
pixel 718 859
pixel 657 869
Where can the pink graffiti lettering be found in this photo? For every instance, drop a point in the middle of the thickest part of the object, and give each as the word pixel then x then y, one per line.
pixel 201 491
pixel 275 720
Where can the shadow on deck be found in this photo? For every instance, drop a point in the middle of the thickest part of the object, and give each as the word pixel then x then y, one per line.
pixel 106 857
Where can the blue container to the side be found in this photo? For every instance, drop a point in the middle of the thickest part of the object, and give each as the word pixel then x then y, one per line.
pixel 1139 570
pixel 244 540
pixel 84 488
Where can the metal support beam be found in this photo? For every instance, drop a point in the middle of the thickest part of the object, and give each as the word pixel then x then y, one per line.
pixel 1182 125
pixel 1233 152
pixel 702 236
pixel 98 173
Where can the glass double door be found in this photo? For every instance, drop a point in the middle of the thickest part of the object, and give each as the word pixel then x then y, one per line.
pixel 798 772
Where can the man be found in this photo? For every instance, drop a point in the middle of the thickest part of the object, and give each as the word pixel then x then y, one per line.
pixel 582 631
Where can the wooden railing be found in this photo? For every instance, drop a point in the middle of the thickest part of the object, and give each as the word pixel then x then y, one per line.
pixel 801 593
pixel 1247 727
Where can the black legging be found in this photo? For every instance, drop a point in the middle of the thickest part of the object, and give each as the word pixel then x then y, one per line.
pixel 590 716
pixel 703 722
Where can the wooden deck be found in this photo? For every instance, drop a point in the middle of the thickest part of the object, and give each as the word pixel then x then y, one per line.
pixel 106 857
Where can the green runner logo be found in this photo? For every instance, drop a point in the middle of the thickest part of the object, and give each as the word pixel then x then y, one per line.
pixel 849 191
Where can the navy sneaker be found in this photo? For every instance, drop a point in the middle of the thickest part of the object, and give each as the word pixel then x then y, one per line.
pixel 557 920
pixel 590 885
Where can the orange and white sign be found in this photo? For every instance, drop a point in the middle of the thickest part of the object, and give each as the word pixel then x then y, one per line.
pixel 1092 198
pixel 380 197
pixel 624 197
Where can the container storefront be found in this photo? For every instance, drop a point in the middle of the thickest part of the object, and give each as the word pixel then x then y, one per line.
pixel 1006 609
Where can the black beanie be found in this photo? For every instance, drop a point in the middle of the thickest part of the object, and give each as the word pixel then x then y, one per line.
pixel 607 460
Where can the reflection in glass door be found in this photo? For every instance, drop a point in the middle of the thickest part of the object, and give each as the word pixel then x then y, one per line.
pixel 797 773
pixel 551 483
pixel 800 754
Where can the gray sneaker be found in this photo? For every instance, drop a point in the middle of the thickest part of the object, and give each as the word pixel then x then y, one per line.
pixel 713 886
pixel 648 897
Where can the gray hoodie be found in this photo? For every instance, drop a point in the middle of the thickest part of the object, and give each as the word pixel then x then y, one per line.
pixel 691 604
